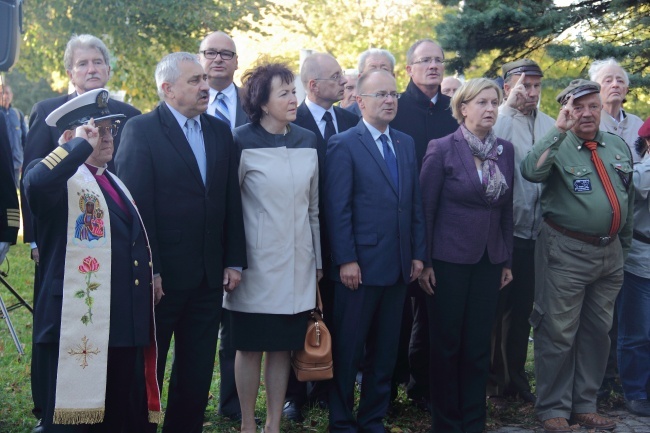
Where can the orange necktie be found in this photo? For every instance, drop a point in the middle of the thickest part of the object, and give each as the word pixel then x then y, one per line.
pixel 607 184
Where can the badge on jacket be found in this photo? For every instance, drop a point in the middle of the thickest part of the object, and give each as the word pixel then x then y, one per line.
pixel 581 185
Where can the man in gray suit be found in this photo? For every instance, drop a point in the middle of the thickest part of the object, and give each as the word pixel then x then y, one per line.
pixel 218 56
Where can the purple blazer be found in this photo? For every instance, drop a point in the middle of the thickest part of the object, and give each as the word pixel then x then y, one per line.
pixel 460 221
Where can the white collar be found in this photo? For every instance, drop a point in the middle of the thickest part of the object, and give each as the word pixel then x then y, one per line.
pixel 230 93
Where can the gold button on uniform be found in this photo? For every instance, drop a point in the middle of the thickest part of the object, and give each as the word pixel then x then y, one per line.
pixel 137 282
pixel 135 263
pixel 150 264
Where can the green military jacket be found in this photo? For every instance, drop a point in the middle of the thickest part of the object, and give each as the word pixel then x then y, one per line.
pixel 572 193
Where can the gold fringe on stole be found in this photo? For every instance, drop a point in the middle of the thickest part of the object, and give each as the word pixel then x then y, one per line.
pixel 78 416
pixel 156 417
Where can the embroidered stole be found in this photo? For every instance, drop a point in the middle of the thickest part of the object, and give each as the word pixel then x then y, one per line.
pixel 85 314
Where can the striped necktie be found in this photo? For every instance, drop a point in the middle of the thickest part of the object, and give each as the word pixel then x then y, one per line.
pixel 221 110
pixel 607 184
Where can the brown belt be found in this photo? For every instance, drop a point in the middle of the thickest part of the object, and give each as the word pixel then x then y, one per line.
pixel 599 241
pixel 641 238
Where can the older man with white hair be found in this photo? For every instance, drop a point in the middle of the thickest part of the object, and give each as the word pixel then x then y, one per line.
pixel 373 58
pixel 614 85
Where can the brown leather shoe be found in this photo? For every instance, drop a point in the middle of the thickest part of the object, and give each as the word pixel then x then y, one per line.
pixel 556 425
pixel 593 420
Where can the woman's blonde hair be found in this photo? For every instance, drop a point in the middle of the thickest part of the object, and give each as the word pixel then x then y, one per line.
pixel 468 91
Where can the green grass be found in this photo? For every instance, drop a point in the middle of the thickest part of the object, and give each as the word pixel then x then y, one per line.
pixel 15 392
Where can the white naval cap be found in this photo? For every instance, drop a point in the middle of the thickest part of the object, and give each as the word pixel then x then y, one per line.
pixel 78 111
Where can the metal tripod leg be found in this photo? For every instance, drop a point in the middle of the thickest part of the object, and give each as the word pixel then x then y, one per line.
pixel 12 331
pixel 21 300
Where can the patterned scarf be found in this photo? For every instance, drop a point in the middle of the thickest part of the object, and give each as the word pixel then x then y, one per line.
pixel 494 184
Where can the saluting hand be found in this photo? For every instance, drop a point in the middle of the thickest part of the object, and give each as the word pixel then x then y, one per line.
pixel 88 132
pixel 567 117
pixel 518 96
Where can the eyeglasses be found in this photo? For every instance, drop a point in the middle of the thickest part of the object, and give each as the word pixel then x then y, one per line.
pixel 383 95
pixel 428 60
pixel 212 54
pixel 103 130
pixel 335 77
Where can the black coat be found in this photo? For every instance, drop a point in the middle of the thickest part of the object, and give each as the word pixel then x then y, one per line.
pixel 8 197
pixel 195 230
pixel 131 294
pixel 42 139
pixel 418 118
pixel 344 120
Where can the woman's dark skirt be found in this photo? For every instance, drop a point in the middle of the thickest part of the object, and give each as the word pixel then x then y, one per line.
pixel 258 332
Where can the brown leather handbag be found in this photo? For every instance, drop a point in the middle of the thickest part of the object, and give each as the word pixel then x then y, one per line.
pixel 314 362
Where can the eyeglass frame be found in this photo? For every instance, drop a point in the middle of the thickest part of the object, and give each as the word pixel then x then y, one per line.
pixel 424 61
pixel 113 129
pixel 383 95
pixel 219 53
pixel 336 77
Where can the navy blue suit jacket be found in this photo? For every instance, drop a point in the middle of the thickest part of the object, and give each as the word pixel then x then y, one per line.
pixel 42 139
pixel 8 197
pixel 370 220
pixel 131 302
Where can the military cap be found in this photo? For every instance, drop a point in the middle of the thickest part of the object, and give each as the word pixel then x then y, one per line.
pixel 527 66
pixel 577 88
pixel 644 130
pixel 78 111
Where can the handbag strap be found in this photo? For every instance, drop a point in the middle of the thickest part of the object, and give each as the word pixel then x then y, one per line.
pixel 319 301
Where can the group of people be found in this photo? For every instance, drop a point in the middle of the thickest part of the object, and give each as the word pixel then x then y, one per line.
pixel 439 224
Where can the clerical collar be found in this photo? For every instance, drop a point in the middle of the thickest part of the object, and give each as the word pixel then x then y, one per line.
pixel 97 171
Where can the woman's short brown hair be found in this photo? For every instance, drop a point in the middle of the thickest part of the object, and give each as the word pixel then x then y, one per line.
pixel 257 87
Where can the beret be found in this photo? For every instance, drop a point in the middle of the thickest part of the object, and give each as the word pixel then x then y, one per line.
pixel 644 130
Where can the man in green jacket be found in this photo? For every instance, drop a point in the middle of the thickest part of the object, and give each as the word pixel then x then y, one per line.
pixel 587 206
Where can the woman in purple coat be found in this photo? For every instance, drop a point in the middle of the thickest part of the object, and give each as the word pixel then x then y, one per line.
pixel 467 180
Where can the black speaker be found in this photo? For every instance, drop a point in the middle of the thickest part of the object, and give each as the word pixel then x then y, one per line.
pixel 11 23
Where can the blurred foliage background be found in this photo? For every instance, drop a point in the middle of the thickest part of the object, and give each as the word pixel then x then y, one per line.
pixel 478 36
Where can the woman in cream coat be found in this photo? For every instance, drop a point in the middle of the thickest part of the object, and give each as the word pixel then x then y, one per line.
pixel 278 174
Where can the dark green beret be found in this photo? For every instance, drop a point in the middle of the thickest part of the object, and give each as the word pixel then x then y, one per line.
pixel 577 88
pixel 527 66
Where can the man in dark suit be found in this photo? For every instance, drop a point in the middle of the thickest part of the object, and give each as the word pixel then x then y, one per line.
pixel 181 166
pixel 424 114
pixel 324 82
pixel 9 217
pixel 376 225
pixel 106 255
pixel 87 63
pixel 218 56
